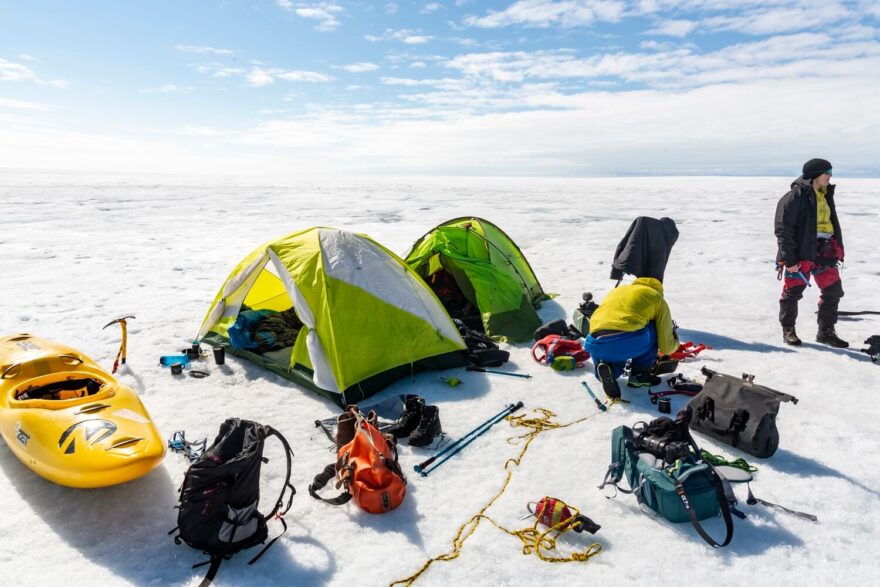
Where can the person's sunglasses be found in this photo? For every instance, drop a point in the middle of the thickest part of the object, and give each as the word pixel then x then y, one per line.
pixel 828 173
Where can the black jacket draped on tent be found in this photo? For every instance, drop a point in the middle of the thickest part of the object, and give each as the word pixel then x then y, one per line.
pixel 645 249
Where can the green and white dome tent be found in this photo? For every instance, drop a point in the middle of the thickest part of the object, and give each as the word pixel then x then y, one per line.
pixel 489 270
pixel 368 318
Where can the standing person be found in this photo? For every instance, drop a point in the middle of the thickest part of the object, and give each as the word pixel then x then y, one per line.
pixel 810 245
pixel 632 322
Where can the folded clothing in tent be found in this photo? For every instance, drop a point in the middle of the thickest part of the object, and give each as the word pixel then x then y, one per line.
pixel 367 318
pixel 261 331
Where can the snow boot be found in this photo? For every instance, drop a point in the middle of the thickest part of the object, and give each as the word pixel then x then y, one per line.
pixel 409 420
pixel 829 337
pixel 642 378
pixel 609 383
pixel 428 429
pixel 789 336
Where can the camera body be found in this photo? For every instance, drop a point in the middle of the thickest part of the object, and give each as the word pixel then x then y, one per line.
pixel 665 438
pixel 663 447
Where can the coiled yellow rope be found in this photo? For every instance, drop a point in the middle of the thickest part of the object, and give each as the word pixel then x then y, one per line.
pixel 534 540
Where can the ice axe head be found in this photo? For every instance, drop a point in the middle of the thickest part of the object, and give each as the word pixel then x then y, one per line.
pixel 122 319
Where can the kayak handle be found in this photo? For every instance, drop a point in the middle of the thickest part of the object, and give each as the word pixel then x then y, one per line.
pixel 71 360
pixel 6 374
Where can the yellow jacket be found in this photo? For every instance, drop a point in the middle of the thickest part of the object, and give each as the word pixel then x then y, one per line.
pixel 630 307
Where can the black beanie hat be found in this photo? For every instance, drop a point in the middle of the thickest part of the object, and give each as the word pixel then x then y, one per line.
pixel 816 167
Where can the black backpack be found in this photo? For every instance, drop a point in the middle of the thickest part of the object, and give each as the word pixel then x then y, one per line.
pixel 482 350
pixel 221 492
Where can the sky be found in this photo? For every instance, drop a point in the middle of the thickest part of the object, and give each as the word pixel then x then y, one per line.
pixel 461 87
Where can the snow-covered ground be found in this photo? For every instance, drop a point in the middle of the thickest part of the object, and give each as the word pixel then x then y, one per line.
pixel 78 251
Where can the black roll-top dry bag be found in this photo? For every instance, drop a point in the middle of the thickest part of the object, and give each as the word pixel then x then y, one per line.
pixel 221 492
pixel 738 412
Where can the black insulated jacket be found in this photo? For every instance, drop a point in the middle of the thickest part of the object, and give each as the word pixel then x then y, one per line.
pixel 795 224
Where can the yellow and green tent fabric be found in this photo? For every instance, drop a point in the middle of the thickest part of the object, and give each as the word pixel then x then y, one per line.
pixel 368 318
pixel 490 270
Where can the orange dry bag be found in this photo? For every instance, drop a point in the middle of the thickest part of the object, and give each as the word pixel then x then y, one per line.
pixel 366 466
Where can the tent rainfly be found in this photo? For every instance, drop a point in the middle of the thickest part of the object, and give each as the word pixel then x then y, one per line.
pixel 368 319
pixel 489 270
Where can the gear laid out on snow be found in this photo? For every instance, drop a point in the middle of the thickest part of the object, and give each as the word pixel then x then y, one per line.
pixel 665 473
pixel 740 471
pixel 541 423
pixel 562 354
pixel 602 407
pixel 873 349
pixel 454 448
pixel 120 355
pixel 192 450
pixel 581 316
pixel 494 372
pixel 738 412
pixel 221 493
pixel 678 385
pixel 366 466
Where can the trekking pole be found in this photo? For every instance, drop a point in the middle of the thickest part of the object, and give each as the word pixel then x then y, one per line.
pixel 465 440
pixel 601 406
pixel 120 356
pixel 482 370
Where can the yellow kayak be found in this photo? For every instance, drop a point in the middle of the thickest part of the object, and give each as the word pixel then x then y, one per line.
pixel 70 421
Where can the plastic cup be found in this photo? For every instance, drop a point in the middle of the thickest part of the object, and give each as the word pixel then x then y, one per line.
pixel 219 355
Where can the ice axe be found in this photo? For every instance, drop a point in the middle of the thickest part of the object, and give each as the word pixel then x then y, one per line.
pixel 120 356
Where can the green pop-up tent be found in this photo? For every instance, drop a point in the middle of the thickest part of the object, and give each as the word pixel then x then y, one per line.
pixel 489 271
pixel 368 318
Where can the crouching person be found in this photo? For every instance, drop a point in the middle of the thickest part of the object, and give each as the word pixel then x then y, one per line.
pixel 631 323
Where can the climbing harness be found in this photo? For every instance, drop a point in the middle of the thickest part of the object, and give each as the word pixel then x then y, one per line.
pixel 120 355
pixel 678 385
pixel 192 450
pixel 542 422
pixel 687 350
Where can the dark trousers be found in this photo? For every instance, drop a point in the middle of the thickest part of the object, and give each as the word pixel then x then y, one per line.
pixel 827 277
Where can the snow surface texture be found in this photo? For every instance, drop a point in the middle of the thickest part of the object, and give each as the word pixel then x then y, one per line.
pixel 76 252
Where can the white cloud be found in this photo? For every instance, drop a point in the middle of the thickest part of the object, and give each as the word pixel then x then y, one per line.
pixel 203 50
pixel 781 57
pixel 673 28
pixel 324 12
pixel 406 36
pixel 360 67
pixel 391 8
pixel 431 7
pixel 418 65
pixel 22 105
pixel 259 76
pixel 545 13
pixel 26 57
pixel 228 72
pixel 16 72
pixel 304 76
pixel 166 89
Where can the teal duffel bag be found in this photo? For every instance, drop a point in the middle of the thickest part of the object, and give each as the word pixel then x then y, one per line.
pixel 660 463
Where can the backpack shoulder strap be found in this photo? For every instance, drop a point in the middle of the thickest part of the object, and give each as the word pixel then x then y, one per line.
pixel 321 480
pixel 722 502
pixel 288 453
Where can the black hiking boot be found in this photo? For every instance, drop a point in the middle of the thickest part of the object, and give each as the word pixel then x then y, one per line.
pixel 789 336
pixel 642 378
pixel 829 337
pixel 609 383
pixel 409 420
pixel 429 427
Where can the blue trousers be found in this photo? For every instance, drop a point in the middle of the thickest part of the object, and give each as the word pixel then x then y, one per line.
pixel 616 349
